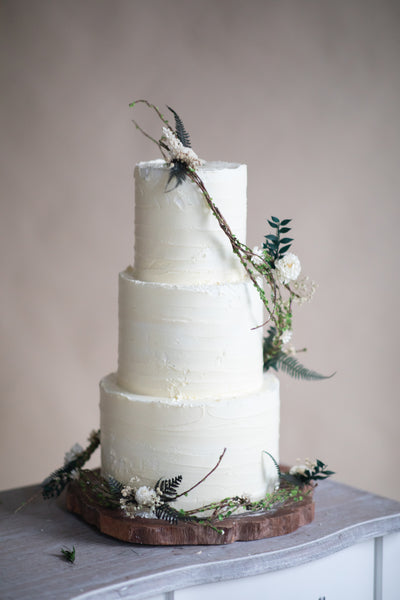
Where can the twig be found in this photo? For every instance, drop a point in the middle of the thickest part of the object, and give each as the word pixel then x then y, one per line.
pixel 238 248
pixel 204 478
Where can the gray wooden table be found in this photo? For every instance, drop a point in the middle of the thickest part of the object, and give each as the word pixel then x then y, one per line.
pixel 32 567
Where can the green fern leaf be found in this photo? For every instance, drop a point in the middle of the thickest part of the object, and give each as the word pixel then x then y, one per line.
pixel 170 514
pixel 268 346
pixel 180 129
pixel 177 171
pixel 291 366
pixel 168 488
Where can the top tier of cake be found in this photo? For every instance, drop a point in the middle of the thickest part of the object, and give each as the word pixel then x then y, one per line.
pixel 177 238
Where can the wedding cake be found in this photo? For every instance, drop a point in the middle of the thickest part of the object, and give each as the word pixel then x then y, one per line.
pixel 190 386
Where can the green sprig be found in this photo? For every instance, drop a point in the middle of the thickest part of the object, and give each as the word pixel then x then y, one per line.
pixel 53 485
pixel 69 555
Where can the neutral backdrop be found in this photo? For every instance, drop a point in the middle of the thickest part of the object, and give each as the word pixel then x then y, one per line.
pixel 307 93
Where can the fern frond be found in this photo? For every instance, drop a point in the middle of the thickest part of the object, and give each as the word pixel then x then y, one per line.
pixel 115 486
pixel 180 129
pixel 268 344
pixel 177 171
pixel 167 513
pixel 167 488
pixel 105 492
pixel 278 470
pixel 291 366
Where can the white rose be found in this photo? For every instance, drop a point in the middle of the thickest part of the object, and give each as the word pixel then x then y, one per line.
pixel 288 268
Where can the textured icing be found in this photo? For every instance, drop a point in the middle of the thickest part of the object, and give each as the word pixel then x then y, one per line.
pixel 190 371
pixel 154 437
pixel 189 341
pixel 177 238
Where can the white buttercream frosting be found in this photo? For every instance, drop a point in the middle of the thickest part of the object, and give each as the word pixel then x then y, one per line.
pixel 190 369
pixel 188 341
pixel 177 238
pixel 156 437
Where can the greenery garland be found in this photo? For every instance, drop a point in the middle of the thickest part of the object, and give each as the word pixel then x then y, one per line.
pixel 157 502
pixel 272 264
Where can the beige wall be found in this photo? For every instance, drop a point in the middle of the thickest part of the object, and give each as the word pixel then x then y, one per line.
pixel 307 93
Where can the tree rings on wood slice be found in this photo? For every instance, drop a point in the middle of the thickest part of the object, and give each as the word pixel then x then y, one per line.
pixel 157 532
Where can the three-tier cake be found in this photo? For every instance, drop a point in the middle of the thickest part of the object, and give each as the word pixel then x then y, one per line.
pixel 190 379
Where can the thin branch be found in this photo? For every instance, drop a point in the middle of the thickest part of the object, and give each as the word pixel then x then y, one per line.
pixel 155 108
pixel 237 247
pixel 205 477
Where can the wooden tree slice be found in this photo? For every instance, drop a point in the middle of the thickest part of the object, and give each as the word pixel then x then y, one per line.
pixel 157 532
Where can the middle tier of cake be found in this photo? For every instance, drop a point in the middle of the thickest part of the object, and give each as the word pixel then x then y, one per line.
pixel 189 342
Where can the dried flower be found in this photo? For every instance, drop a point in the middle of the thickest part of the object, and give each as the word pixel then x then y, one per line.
pixel 286 336
pixel 258 256
pixel 73 453
pixel 305 289
pixel 299 470
pixel 290 350
pixel 180 152
pixel 145 496
pixel 288 268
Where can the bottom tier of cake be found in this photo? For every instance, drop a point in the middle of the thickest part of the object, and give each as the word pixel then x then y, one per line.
pixel 149 438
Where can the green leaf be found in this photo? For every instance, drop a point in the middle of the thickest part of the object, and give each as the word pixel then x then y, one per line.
pixel 69 554
pixel 180 130
pixel 268 344
pixel 278 470
pixel 272 237
pixel 283 250
pixel 286 240
pixel 285 229
pixel 285 222
pixel 276 220
pixel 290 365
pixel 274 225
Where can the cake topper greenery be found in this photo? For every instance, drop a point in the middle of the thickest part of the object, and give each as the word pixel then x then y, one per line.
pixel 272 264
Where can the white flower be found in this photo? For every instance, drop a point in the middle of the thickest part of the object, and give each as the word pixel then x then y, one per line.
pixel 305 290
pixel 286 336
pixel 145 496
pixel 288 268
pixel 290 350
pixel 259 256
pixel 180 152
pixel 301 469
pixel 73 453
pixel 75 474
pixel 298 470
